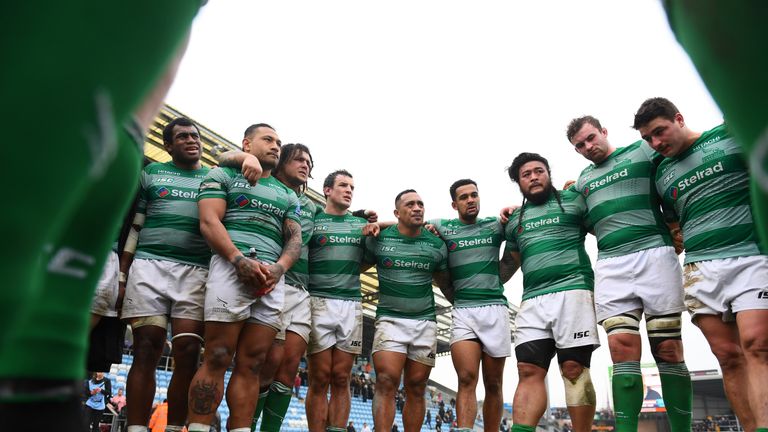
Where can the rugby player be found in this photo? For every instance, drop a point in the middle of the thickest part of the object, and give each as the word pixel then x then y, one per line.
pixel 408 258
pixel 255 233
pixel 546 237
pixel 336 251
pixel 704 184
pixel 637 271
pixel 481 333
pixel 166 280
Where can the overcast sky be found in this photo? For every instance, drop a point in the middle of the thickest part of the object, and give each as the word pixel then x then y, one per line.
pixel 417 94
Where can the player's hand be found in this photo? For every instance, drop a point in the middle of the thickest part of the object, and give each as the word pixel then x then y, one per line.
pixel 568 184
pixel 274 273
pixel 431 228
pixel 251 273
pixel 251 169
pixel 371 216
pixel 371 229
pixel 677 240
pixel 506 212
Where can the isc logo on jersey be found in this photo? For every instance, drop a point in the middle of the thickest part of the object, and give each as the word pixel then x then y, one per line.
pixel 699 176
pixel 398 263
pixel 604 181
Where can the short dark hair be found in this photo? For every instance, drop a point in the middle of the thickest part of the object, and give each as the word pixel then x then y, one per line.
pixel 459 183
pixel 522 159
pixel 653 108
pixel 168 129
pixel 330 179
pixel 397 198
pixel 252 128
pixel 287 152
pixel 576 124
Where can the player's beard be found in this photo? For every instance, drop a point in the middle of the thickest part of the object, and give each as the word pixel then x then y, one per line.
pixel 539 198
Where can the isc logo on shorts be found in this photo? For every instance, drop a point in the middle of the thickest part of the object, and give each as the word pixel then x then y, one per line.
pixel 356 343
pixel 763 295
pixel 431 355
pixel 581 334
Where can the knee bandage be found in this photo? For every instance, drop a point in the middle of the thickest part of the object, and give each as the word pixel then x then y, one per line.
pixel 194 335
pixel 628 322
pixel 662 328
pixel 579 391
pixel 157 320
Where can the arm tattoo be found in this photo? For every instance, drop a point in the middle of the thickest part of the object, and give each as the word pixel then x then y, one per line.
pixel 291 239
pixel 229 159
pixel 205 397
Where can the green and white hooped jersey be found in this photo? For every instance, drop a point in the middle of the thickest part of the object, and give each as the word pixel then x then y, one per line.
pixel 707 188
pixel 255 214
pixel 171 231
pixel 473 260
pixel 298 274
pixel 405 266
pixel 551 245
pixel 623 207
pixel 336 251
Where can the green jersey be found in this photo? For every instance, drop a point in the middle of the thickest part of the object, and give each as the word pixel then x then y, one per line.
pixel 707 188
pixel 298 274
pixel 405 266
pixel 255 214
pixel 336 251
pixel 623 207
pixel 171 232
pixel 724 40
pixel 551 245
pixel 473 260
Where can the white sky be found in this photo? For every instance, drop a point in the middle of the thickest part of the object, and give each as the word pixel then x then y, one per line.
pixel 417 94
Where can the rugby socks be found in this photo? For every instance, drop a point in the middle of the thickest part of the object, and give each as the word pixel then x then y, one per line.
pixel 199 427
pixel 335 429
pixel 275 407
pixel 761 429
pixel 135 428
pixel 678 394
pixel 627 389
pixel 523 428
pixel 173 428
pixel 259 408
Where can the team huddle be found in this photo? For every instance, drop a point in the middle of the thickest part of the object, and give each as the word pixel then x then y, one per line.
pixel 240 258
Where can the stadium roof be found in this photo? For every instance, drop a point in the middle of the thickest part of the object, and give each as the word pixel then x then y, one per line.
pixel 214 144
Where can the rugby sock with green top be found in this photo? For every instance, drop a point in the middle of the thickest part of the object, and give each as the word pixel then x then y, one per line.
pixel 678 394
pixel 275 407
pixel 259 407
pixel 523 428
pixel 627 389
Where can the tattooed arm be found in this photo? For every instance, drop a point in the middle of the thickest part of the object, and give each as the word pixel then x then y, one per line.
pixel 508 265
pixel 248 164
pixel 291 251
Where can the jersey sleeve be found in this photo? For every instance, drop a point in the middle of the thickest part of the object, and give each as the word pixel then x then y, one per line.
pixel 369 255
pixel 215 184
pixel 509 233
pixel 442 263
pixel 293 212
pixel 141 204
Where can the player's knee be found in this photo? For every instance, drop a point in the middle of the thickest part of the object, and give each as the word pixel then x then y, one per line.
pixel 526 371
pixel 493 385
pixel 625 323
pixel 579 390
pixel 467 378
pixel 664 335
pixel 755 344
pixel 416 388
pixel 386 383
pixel 186 346
pixel 340 379
pixel 729 355
pixel 218 358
